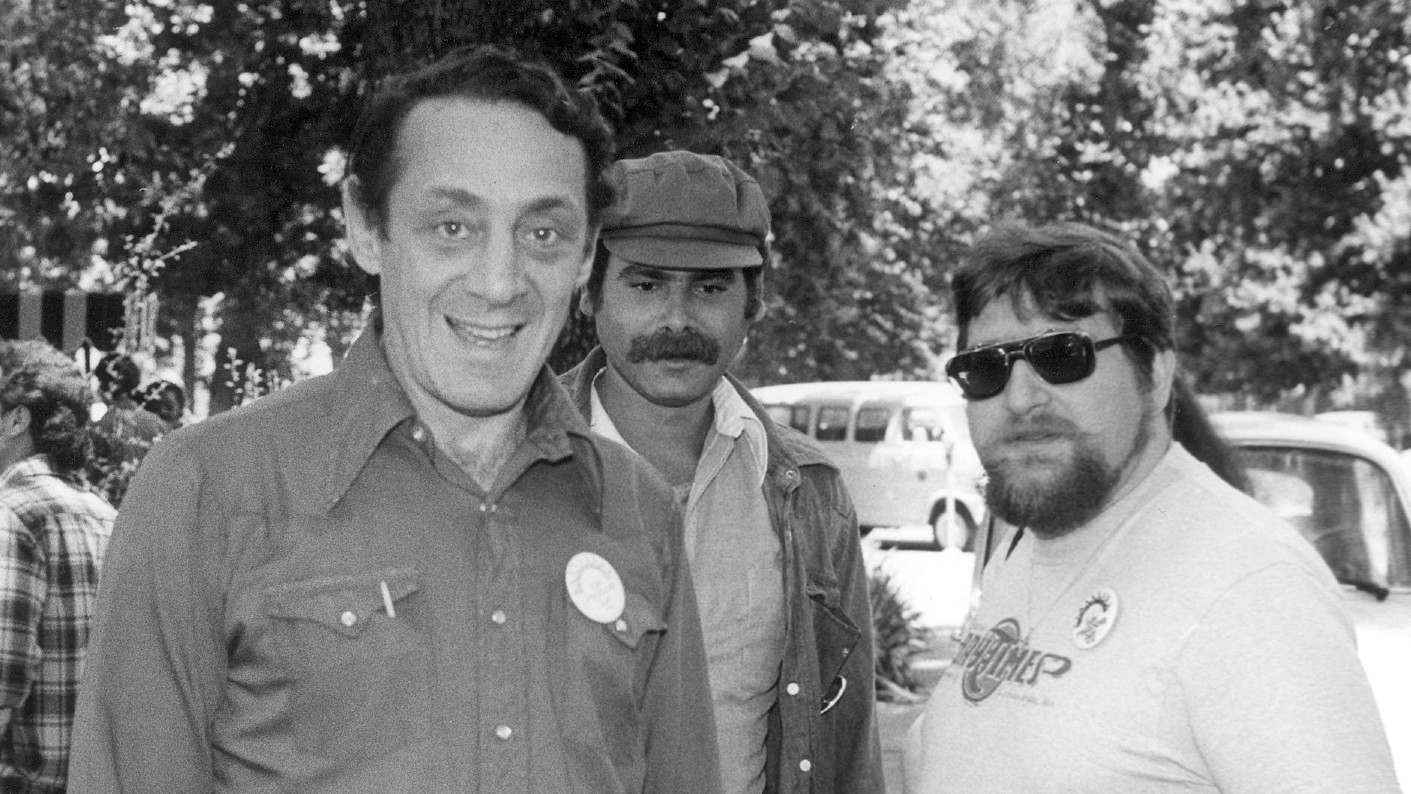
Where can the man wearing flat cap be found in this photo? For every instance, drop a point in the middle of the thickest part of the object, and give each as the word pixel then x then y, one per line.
pixel 771 533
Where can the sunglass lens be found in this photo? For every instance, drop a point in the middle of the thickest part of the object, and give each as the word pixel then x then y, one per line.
pixel 1061 358
pixel 980 373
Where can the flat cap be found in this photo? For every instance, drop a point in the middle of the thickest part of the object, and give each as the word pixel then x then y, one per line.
pixel 688 211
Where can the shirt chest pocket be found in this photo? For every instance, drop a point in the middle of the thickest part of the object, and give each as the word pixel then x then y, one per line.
pixel 356 650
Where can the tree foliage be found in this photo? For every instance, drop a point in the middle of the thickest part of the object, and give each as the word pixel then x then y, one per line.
pixel 1257 151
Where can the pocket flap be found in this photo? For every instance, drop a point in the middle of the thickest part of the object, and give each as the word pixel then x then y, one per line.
pixel 639 618
pixel 340 603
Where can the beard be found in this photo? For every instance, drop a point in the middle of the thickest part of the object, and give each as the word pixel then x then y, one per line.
pixel 1053 496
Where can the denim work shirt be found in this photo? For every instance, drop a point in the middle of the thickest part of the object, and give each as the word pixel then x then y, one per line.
pixel 822 730
pixel 304 595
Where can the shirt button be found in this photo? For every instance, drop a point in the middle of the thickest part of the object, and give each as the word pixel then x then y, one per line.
pixel 805 765
pixel 499 617
pixel 792 689
pixel 620 626
pixel 348 618
pixel 419 433
pixel 504 732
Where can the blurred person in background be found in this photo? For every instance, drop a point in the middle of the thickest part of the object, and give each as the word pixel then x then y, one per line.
pixel 167 401
pixel 53 533
pixel 126 430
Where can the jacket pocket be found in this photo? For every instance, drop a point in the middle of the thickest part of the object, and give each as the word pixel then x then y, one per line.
pixel 639 620
pixel 835 636
pixel 359 659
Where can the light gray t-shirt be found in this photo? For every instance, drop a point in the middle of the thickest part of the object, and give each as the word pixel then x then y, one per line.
pixel 1186 640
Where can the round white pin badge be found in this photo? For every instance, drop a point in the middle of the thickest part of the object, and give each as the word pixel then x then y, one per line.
pixel 595 587
pixel 1096 617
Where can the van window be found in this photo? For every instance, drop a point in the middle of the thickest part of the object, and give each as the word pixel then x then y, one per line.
pixel 832 423
pixel 779 413
pixel 798 418
pixel 871 423
pixel 922 424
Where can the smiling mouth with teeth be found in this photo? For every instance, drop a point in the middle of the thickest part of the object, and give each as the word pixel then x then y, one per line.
pixel 482 335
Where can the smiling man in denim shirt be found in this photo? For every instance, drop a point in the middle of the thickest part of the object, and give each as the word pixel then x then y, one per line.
pixel 422 572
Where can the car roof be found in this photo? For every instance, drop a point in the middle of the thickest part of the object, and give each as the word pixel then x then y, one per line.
pixel 909 392
pixel 1253 428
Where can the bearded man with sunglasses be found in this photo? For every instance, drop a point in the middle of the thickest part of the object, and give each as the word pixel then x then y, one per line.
pixel 1143 626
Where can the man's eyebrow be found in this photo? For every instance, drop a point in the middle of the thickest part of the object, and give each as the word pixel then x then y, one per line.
pixel 638 270
pixel 465 198
pixel 553 204
pixel 456 195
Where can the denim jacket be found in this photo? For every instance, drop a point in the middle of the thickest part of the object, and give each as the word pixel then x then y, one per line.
pixel 822 731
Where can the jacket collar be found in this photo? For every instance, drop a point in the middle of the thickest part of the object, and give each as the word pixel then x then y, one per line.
pixel 787 451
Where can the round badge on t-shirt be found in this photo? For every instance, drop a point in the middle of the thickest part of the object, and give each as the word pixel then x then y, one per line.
pixel 1095 618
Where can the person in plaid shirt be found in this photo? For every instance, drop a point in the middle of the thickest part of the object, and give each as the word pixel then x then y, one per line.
pixel 52 536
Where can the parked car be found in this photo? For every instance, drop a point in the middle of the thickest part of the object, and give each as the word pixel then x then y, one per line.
pixel 1349 494
pixel 903 447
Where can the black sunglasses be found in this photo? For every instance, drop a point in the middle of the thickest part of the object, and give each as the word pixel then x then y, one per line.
pixel 1058 357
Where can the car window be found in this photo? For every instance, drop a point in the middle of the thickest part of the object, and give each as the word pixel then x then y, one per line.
pixel 939 423
pixel 922 424
pixel 779 413
pixel 871 423
pixel 1345 505
pixel 795 416
pixel 832 423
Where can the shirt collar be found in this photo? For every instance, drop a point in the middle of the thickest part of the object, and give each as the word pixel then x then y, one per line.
pixel 32 466
pixel 733 419
pixel 370 403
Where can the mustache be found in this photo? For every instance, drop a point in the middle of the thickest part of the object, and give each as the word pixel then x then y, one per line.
pixel 1039 425
pixel 667 345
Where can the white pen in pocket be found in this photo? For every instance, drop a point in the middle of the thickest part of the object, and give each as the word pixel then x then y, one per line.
pixel 387 600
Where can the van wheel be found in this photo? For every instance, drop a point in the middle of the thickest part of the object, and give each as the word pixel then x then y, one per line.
pixel 950 530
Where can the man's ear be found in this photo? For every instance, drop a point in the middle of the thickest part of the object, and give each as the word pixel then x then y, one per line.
pixel 585 272
pixel 15 422
pixel 1163 376
pixel 364 233
pixel 584 302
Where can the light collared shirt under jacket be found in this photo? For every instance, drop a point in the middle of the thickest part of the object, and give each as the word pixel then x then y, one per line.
pixel 737 563
pixel 305 595
pixel 822 730
pixel 52 538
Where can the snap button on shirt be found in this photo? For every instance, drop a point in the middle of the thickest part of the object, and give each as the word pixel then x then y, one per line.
pixel 792 688
pixel 498 617
pixel 504 732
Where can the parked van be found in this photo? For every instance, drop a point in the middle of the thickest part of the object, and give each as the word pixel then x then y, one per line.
pixel 903 447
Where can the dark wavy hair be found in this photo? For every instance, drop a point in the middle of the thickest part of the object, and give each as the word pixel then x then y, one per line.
pixel 36 376
pixel 489 73
pixel 1071 271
